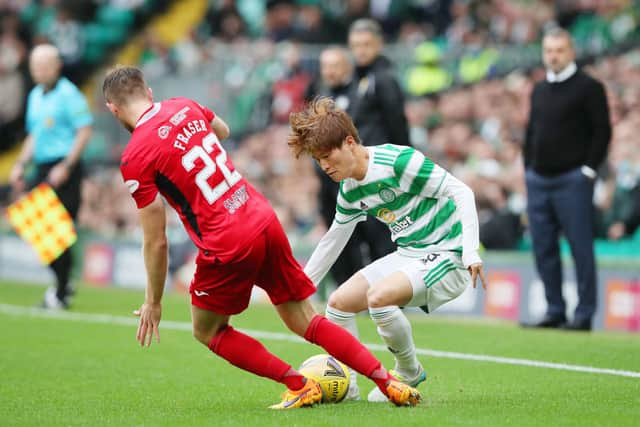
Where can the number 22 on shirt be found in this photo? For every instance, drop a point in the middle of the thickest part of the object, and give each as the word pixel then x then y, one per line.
pixel 210 166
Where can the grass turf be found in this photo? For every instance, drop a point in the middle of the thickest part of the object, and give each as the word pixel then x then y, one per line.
pixel 58 372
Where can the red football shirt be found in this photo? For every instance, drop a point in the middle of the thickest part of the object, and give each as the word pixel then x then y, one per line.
pixel 174 151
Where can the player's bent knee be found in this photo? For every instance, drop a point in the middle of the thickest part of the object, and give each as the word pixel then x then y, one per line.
pixel 340 302
pixel 205 335
pixel 201 336
pixel 377 298
pixel 335 301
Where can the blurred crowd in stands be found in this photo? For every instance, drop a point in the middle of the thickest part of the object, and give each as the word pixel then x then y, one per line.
pixel 459 21
pixel 84 31
pixel 475 130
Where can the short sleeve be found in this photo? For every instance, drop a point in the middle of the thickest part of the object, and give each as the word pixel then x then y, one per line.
pixel 29 116
pixel 210 115
pixel 418 174
pixel 139 177
pixel 78 110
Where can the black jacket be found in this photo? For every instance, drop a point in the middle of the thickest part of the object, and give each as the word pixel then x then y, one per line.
pixel 377 105
pixel 340 94
pixel 568 127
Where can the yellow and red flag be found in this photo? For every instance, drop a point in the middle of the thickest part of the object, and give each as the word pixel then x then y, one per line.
pixel 41 219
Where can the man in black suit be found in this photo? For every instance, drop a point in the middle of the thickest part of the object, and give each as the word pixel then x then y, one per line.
pixel 566 141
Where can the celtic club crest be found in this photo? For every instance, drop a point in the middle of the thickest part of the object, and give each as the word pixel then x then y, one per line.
pixel 387 195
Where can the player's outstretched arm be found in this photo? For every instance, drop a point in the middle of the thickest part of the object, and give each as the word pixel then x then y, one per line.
pixel 464 200
pixel 328 250
pixel 155 245
pixel 220 128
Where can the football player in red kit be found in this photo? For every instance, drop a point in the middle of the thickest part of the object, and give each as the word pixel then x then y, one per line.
pixel 175 152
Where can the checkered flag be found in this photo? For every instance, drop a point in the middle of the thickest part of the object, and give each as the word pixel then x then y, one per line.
pixel 42 220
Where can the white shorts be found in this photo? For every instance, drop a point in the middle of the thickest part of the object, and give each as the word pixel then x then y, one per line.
pixel 436 278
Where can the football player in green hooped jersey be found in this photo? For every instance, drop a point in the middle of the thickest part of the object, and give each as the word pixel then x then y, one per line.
pixel 431 216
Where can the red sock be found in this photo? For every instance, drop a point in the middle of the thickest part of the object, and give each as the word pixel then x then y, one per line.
pixel 345 347
pixel 249 354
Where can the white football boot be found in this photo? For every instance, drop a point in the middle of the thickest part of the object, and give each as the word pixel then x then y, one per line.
pixel 354 392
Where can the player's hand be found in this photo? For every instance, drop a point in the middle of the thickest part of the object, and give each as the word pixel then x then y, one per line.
pixel 476 271
pixel 149 314
pixel 58 175
pixel 616 231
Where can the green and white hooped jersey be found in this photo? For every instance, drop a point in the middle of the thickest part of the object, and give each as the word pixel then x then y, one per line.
pixel 402 188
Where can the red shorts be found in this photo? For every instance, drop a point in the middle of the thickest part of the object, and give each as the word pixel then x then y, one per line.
pixel 269 264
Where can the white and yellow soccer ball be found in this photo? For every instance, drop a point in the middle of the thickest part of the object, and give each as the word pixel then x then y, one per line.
pixel 332 375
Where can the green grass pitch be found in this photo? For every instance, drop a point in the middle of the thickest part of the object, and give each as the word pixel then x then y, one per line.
pixel 58 372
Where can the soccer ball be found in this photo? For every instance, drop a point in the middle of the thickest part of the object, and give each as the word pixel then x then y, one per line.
pixel 332 375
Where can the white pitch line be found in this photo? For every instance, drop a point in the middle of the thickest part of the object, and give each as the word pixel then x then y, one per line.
pixel 16 310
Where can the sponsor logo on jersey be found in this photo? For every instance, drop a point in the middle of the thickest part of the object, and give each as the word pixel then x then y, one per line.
pixel 363 206
pixel 403 224
pixel 132 185
pixel 386 215
pixel 237 199
pixel 163 131
pixel 387 195
pixel 200 293
pixel 179 116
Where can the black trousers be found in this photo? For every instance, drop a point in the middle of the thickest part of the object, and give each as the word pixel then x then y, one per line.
pixel 69 195
pixel 563 204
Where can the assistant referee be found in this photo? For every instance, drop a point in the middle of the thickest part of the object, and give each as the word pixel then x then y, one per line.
pixel 58 123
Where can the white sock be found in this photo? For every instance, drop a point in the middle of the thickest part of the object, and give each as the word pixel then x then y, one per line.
pixel 395 330
pixel 348 322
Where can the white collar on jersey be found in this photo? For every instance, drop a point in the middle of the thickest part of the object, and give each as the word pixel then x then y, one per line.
pixel 150 113
pixel 369 166
pixel 563 75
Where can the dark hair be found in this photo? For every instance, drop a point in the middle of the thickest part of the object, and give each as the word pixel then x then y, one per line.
pixel 320 128
pixel 123 83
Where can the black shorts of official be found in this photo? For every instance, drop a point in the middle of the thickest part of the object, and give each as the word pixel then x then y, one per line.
pixel 69 191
